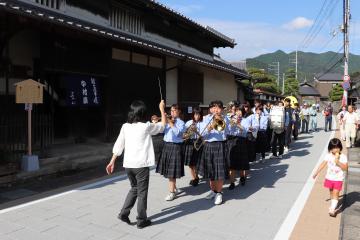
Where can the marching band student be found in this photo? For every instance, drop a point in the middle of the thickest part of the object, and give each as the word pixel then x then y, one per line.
pixel 257 103
pixel 171 162
pixel 212 163
pixel 288 124
pixel 191 155
pixel 261 140
pixel 237 149
pixel 269 131
pixel 279 137
pixel 251 135
pixel 135 138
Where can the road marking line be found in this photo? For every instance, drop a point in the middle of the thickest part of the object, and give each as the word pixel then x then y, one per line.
pixel 102 182
pixel 291 219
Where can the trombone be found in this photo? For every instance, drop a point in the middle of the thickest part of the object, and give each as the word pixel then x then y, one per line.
pixel 217 122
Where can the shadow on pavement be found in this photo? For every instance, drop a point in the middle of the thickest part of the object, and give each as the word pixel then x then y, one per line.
pixel 348 200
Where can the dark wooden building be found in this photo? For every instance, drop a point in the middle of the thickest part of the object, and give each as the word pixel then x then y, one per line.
pixel 95 57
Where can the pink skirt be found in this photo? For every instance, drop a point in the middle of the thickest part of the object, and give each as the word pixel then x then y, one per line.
pixel 333 184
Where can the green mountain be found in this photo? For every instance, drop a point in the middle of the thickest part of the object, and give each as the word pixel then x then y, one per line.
pixel 308 63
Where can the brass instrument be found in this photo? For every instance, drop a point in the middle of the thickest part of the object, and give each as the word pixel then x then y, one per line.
pixel 190 132
pixel 235 121
pixel 218 123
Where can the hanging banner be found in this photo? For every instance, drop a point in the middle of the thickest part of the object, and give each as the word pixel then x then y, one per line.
pixel 82 90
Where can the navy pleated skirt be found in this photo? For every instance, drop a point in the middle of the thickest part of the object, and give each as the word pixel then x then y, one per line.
pixel 212 164
pixel 171 162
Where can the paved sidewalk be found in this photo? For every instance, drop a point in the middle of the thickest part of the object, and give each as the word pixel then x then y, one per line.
pixel 255 211
pixel 314 221
pixel 350 229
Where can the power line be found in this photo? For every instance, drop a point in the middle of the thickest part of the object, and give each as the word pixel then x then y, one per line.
pixel 316 32
pixel 331 68
pixel 315 21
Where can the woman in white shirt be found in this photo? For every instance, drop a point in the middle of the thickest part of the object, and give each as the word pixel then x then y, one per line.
pixel 135 137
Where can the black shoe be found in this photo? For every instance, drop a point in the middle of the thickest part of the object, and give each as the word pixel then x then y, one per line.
pixel 196 182
pixel 191 182
pixel 143 224
pixel 124 219
pixel 232 186
pixel 242 181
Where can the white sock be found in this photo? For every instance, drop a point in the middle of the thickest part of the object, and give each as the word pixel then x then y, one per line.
pixel 334 203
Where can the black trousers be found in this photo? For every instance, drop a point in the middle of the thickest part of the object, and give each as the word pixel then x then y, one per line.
pixel 288 131
pixel 139 181
pixel 278 139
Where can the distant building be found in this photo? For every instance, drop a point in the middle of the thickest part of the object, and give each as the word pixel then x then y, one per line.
pixel 308 93
pixel 265 96
pixel 325 82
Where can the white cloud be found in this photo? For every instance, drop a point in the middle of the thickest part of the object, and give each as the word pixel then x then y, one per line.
pixel 298 23
pixel 255 38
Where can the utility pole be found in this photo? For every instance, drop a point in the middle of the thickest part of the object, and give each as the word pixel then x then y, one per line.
pixel 283 84
pixel 275 67
pixel 346 83
pixel 295 62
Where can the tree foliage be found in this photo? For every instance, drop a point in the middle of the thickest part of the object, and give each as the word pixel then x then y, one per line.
pixel 336 93
pixel 263 80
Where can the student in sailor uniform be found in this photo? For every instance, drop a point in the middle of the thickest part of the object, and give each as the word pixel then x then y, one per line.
pixel 261 140
pixel 237 149
pixel 212 164
pixel 191 155
pixel 171 162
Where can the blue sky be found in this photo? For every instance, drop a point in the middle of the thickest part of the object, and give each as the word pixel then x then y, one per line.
pixel 262 26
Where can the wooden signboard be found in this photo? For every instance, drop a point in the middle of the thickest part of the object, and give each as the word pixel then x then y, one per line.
pixel 29 91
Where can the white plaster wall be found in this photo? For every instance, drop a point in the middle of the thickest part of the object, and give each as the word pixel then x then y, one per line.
pixel 219 85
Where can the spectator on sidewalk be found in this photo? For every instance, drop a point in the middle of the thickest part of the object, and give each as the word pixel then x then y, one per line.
pixel 305 117
pixel 328 112
pixel 336 166
pixel 135 137
pixel 351 121
pixel 313 118
pixel 340 118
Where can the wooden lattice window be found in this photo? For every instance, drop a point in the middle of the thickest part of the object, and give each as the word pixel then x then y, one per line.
pixel 125 20
pixel 49 3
